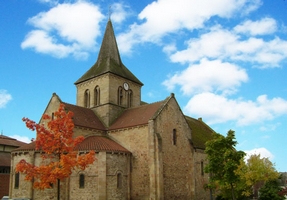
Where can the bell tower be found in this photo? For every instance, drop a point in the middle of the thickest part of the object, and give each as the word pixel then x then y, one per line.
pixel 108 87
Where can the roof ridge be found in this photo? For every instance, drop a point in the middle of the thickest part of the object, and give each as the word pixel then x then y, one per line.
pixel 162 106
pixel 76 105
pixel 147 104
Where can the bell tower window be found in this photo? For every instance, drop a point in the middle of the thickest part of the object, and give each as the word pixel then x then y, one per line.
pixel 87 99
pixel 130 98
pixel 97 96
pixel 120 96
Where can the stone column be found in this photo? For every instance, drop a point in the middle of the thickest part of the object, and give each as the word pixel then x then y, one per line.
pixel 156 183
pixel 102 180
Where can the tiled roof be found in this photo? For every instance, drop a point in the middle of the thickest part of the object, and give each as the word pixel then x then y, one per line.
pixel 136 116
pixel 96 143
pixel 100 143
pixel 200 132
pixel 85 117
pixel 4 140
pixel 5 159
pixel 27 147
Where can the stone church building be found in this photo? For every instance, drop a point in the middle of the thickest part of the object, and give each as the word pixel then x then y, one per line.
pixel 144 151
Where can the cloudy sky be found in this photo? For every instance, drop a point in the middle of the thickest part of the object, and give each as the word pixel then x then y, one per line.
pixel 225 60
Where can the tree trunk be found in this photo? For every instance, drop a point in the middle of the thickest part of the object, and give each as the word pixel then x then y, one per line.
pixel 232 191
pixel 58 189
pixel 211 195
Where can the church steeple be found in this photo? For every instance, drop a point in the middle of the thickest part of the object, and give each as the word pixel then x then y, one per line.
pixel 109 59
pixel 108 87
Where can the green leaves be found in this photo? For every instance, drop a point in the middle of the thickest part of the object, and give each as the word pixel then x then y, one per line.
pixel 223 160
pixel 230 174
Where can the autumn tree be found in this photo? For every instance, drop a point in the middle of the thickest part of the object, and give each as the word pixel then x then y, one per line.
pixel 223 160
pixel 56 144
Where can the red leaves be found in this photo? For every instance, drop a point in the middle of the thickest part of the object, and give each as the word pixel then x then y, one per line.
pixel 55 141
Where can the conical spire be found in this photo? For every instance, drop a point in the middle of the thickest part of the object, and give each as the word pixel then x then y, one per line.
pixel 109 59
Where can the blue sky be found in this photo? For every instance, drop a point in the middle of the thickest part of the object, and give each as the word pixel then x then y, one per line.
pixel 225 60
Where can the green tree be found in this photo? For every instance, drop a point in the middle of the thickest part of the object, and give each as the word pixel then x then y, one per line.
pixel 223 160
pixel 271 191
pixel 255 173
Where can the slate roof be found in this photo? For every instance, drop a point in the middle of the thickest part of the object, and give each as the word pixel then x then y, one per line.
pixel 8 141
pixel 200 132
pixel 136 116
pixel 101 143
pixel 109 60
pixel 85 117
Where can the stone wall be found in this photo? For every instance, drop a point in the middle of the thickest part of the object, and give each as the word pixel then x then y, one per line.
pixel 102 82
pixel 25 187
pixel 176 152
pixel 90 190
pixel 100 185
pixel 108 84
pixel 136 141
pixel 201 178
pixel 78 131
pixel 118 176
pixel 108 108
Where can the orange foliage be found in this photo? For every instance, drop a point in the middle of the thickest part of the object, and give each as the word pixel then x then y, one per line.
pixel 56 144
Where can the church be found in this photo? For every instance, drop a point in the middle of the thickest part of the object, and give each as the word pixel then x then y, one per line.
pixel 143 150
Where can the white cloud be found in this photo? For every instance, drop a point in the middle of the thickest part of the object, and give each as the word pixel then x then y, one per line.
pixel 42 42
pixel 4 98
pixel 263 152
pixel 50 2
pixel 262 27
pixel 170 48
pixel 21 138
pixel 208 76
pixel 224 44
pixel 118 13
pixel 219 109
pixel 269 127
pixel 168 16
pixel 65 29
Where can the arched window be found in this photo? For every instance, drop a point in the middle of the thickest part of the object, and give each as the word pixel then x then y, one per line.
pixel 119 180
pixel 17 180
pixel 81 181
pixel 202 167
pixel 97 96
pixel 174 137
pixel 130 98
pixel 87 99
pixel 120 96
